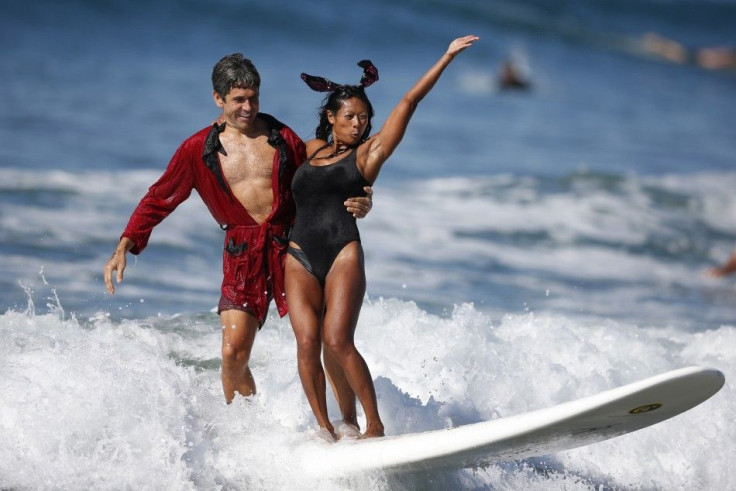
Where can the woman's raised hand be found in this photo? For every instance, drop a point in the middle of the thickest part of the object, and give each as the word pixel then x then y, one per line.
pixel 461 44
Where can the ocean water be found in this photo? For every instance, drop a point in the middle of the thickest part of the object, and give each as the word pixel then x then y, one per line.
pixel 525 248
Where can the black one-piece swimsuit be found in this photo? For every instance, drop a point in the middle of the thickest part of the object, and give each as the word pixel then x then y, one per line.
pixel 323 226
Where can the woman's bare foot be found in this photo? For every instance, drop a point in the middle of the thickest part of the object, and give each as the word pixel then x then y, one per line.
pixel 374 430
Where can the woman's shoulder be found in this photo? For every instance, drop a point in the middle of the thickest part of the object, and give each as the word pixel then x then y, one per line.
pixel 314 145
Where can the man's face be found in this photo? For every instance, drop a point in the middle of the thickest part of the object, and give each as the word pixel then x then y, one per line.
pixel 239 107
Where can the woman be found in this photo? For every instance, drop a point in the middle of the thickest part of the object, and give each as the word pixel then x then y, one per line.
pixel 325 273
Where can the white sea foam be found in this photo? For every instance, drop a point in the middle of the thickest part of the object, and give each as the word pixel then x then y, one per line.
pixel 94 403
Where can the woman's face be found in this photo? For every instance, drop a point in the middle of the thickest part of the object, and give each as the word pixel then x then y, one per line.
pixel 350 122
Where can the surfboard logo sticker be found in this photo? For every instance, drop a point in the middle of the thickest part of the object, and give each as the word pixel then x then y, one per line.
pixel 645 408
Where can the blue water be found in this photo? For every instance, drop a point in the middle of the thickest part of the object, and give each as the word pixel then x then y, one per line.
pixel 525 248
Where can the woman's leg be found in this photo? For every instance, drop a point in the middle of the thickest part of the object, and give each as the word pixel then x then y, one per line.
pixel 344 292
pixel 341 388
pixel 305 298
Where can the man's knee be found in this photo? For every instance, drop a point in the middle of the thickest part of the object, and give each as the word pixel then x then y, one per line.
pixel 229 353
pixel 238 330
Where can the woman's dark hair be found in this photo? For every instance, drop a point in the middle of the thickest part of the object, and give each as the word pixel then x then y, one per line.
pixel 333 102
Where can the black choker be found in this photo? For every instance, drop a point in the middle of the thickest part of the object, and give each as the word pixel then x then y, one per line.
pixel 336 153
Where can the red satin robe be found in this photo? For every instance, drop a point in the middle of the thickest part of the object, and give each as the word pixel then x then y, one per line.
pixel 254 254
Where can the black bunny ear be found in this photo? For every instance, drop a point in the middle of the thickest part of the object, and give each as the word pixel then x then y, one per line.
pixel 370 73
pixel 319 84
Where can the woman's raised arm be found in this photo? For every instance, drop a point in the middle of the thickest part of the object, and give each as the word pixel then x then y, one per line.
pixel 377 149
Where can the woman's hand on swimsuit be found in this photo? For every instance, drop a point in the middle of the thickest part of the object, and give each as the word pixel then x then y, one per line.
pixel 360 206
pixel 460 44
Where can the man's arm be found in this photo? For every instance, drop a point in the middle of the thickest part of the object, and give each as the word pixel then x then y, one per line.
pixel 172 188
pixel 361 205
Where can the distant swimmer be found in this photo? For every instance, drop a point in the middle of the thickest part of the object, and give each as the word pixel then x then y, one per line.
pixel 717 57
pixel 510 77
pixel 711 58
pixel 728 268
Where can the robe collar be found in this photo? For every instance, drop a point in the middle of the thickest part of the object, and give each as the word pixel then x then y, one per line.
pixel 213 146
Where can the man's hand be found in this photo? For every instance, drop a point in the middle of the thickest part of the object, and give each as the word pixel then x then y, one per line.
pixel 117 263
pixel 359 207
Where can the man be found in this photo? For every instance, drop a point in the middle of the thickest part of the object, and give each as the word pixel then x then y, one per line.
pixel 242 170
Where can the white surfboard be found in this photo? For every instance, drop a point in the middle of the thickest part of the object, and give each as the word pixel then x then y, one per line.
pixel 536 433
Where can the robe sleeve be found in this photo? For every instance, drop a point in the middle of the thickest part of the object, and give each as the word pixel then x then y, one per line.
pixel 172 188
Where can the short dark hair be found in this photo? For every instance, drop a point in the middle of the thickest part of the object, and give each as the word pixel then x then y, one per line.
pixel 234 71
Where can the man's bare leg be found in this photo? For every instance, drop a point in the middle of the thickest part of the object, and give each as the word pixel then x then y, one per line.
pixel 238 334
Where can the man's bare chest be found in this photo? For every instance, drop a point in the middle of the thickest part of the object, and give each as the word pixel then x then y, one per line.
pixel 251 163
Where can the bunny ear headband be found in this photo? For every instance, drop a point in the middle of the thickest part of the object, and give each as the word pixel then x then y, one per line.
pixel 319 84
